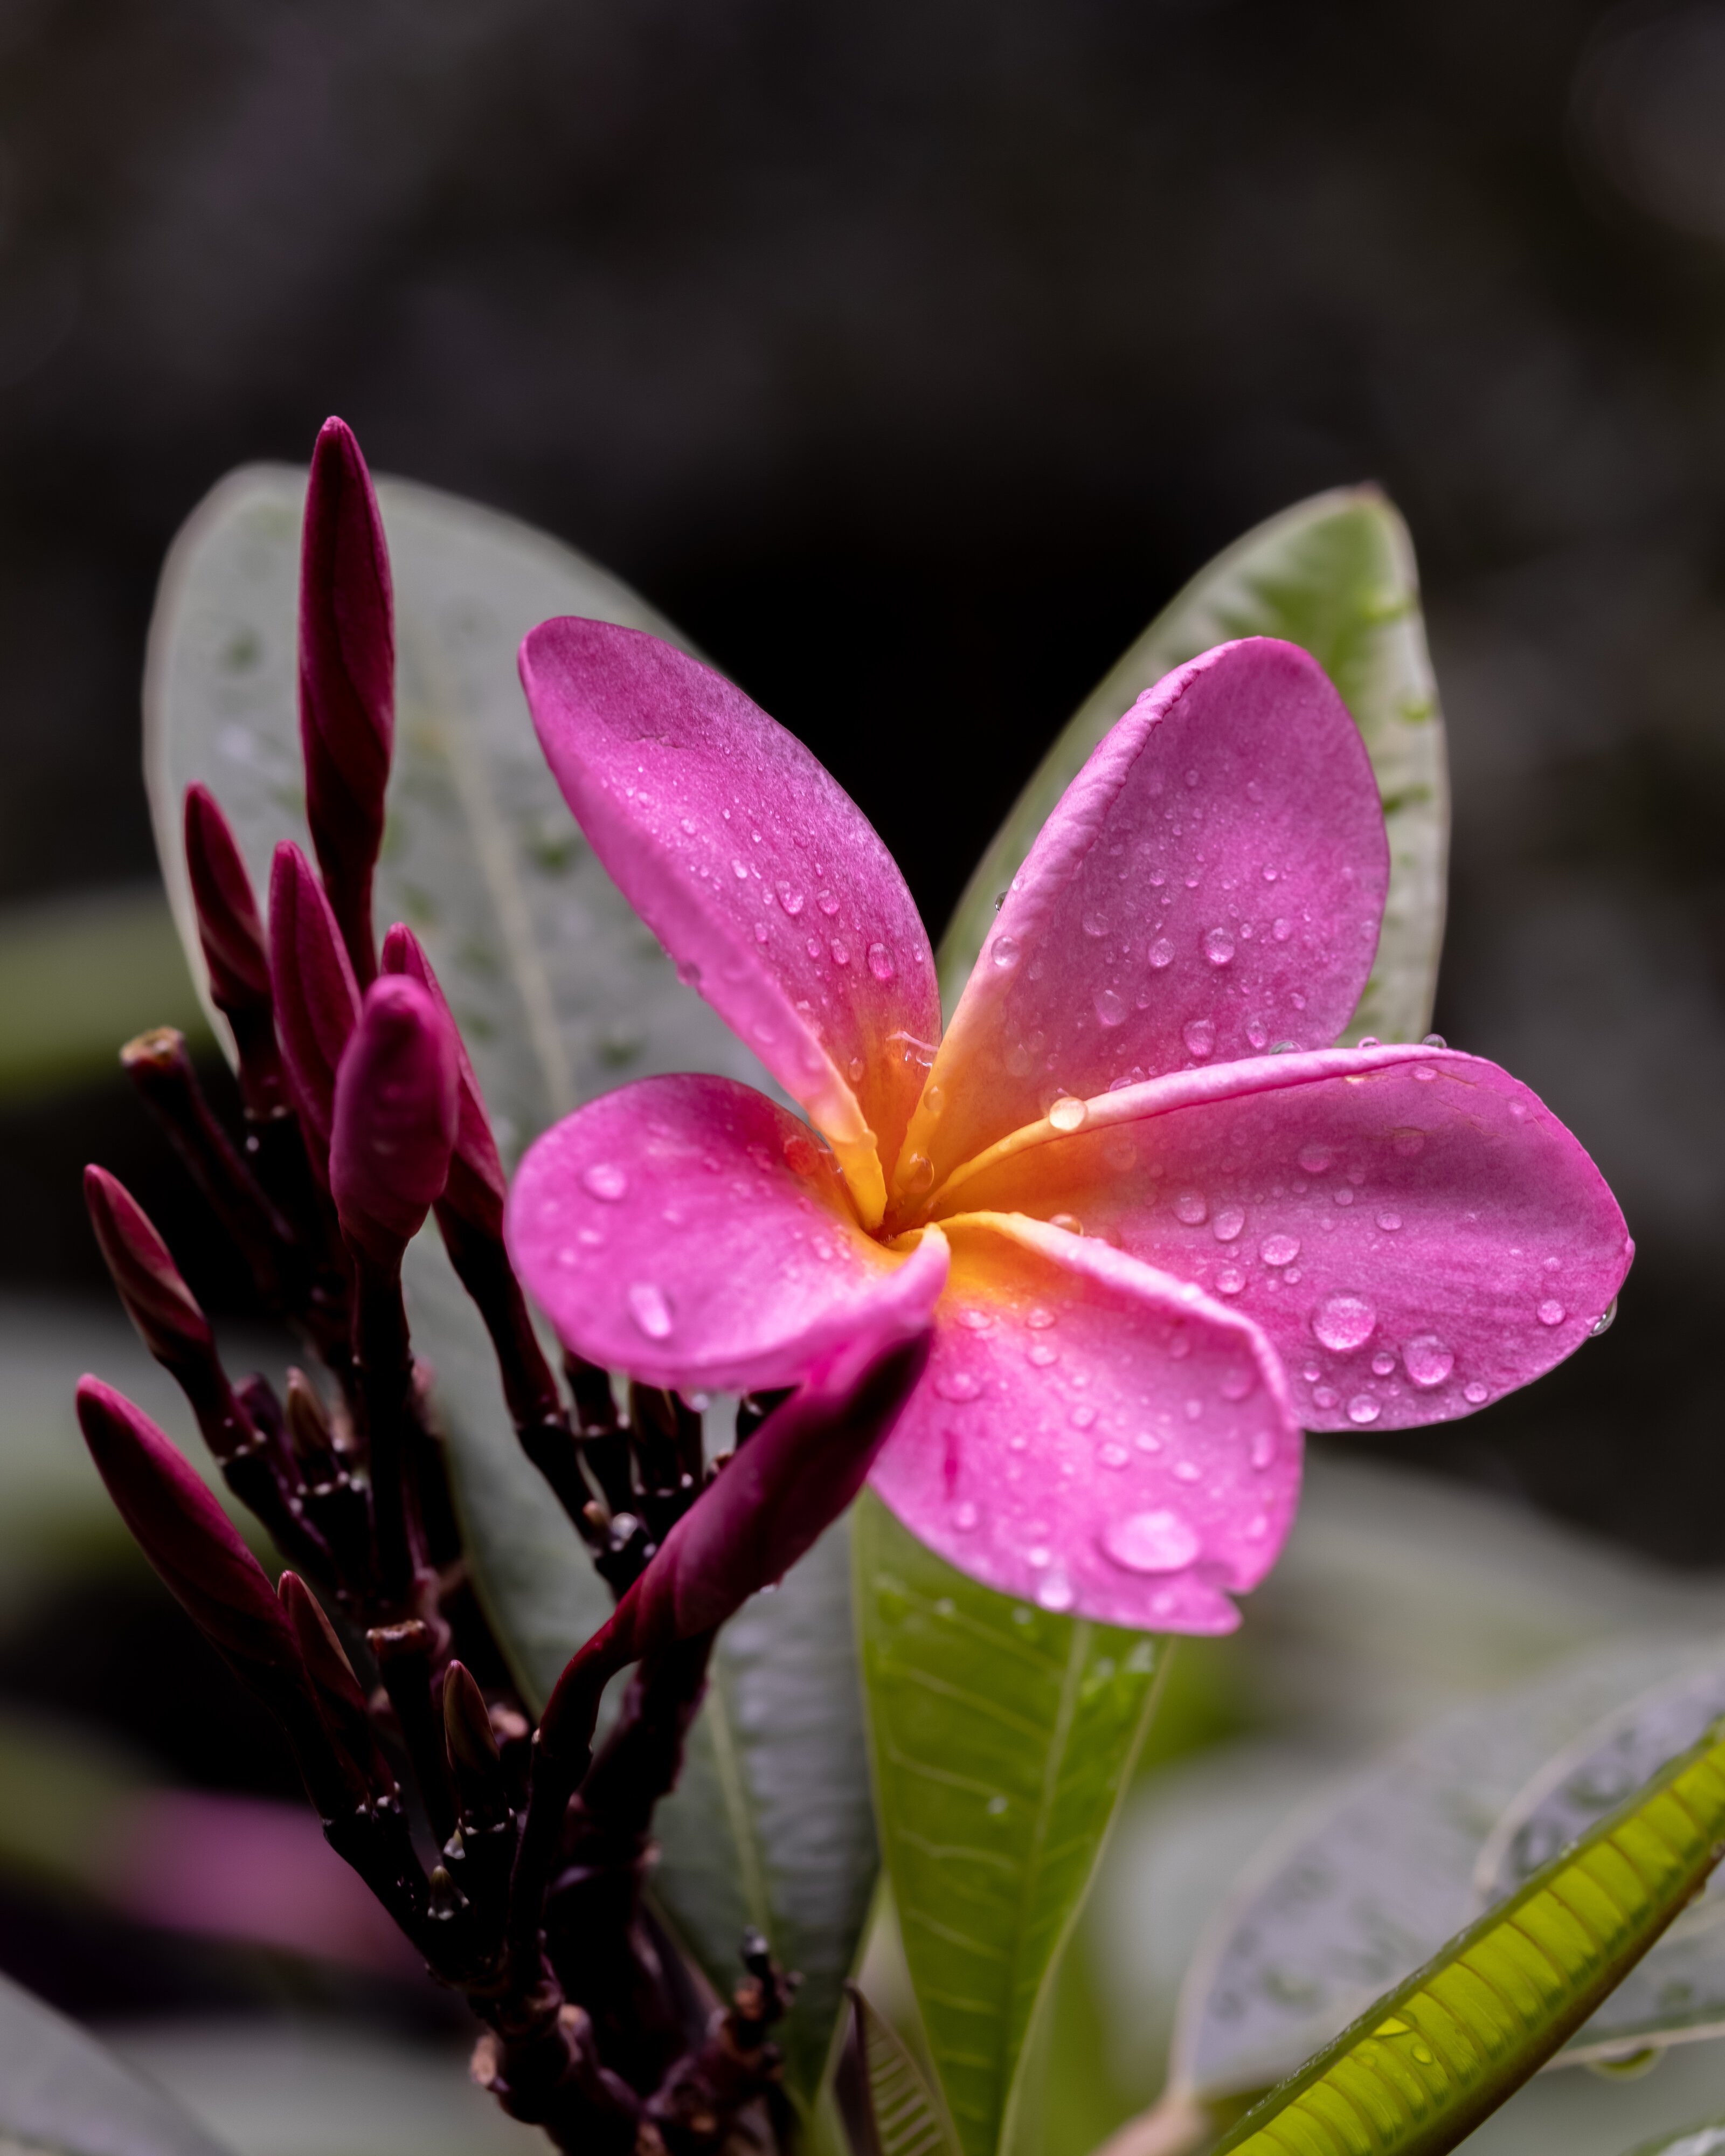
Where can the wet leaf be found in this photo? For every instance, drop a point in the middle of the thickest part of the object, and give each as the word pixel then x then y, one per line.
pixel 1003 1736
pixel 1335 575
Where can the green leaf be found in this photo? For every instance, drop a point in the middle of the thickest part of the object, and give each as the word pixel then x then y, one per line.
pixel 1432 2058
pixel 1335 575
pixel 1354 1894
pixel 560 990
pixel 889 2110
pixel 61 2091
pixel 1003 1736
pixel 561 993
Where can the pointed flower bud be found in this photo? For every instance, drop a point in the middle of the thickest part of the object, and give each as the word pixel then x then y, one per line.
pixel 396 1098
pixel 234 947
pixel 472 1746
pixel 347 680
pixel 477 1187
pixel 340 1695
pixel 158 1300
pixel 192 1542
pixel 316 1000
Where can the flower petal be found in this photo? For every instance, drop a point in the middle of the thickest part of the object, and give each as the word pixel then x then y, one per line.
pixel 755 869
pixel 1093 1435
pixel 690 1231
pixel 1412 1228
pixel 1212 882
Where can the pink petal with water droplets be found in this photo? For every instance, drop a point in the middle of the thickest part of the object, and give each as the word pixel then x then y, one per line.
pixel 1413 1228
pixel 692 1232
pixel 755 869
pixel 1093 1435
pixel 1210 883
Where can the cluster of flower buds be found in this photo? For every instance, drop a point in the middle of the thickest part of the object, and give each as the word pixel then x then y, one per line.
pixel 513 1859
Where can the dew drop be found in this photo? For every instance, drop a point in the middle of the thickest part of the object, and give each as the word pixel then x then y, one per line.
pixel 1057 1592
pixel 934 1100
pixel 1069 1221
pixel 1150 1541
pixel 1199 1035
pixel 1218 947
pixel 1282 929
pixel 1228 1225
pixel 1324 1396
pixel 1083 1415
pixel 1279 1250
pixel 1042 1353
pixel 649 1310
pixel 1424 1073
pixel 919 1174
pixel 1067 1114
pixel 1113 1456
pixel 1257 1032
pixel 1344 1322
pixel 1318 1159
pixel 1474 1391
pixel 1192 1207
pixel 959 1385
pixel 856 1067
pixel 1230 1280
pixel 1427 1360
pixel 1160 954
pixel 1111 1008
pixel 1550 1312
pixel 1389 1222
pixel 605 1180
pixel 1433 1040
pixel 1383 1362
pixel 881 964
pixel 1604 1321
pixel 812 946
pixel 740 869
pixel 841 952
pixel 828 904
pixel 1369 1040
pixel 790 900
pixel 689 973
pixel 1038 1319
pixel 965 1517
pixel 1005 952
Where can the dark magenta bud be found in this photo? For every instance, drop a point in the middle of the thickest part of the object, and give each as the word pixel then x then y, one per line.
pixel 397 1104
pixel 472 1746
pixel 316 999
pixel 191 1541
pixel 158 1300
pixel 234 951
pixel 477 1187
pixel 347 681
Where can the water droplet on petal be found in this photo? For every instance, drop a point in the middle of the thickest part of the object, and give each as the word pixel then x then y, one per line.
pixel 1281 930
pixel 1474 1391
pixel 1426 1074
pixel 1093 924
pixel 790 900
pixel 1069 1221
pixel 1279 1250
pixel 1199 1035
pixel 1389 1222
pixel 605 1180
pixel 1318 1159
pixel 1228 1224
pixel 1218 947
pixel 1005 952
pixel 1324 1396
pixel 841 952
pixel 1383 1362
pixel 919 1174
pixel 1160 954
pixel 1038 1319
pixel 1433 1040
pixel 1057 1592
pixel 1604 1321
pixel 1363 1408
pixel 1042 1354
pixel 1113 1456
pixel 828 904
pixel 1369 1040
pixel 649 1310
pixel 1150 1541
pixel 1550 1312
pixel 1067 1114
pixel 740 869
pixel 1192 1207
pixel 1083 1415
pixel 965 1517
pixel 880 962
pixel 856 1068
pixel 1344 1322
pixel 934 1100
pixel 1230 1280
pixel 1427 1360
pixel 959 1385
pixel 1111 1010
pixel 689 973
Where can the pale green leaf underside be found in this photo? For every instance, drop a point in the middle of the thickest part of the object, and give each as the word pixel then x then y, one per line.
pixel 561 993
pixel 1002 1738
pixel 908 2115
pixel 1359 1890
pixel 1707 2140
pixel 1335 575
pixel 60 2091
pixel 1430 2059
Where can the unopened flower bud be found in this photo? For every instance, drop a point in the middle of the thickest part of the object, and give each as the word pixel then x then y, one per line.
pixel 316 999
pixel 234 952
pixel 396 1106
pixel 347 680
pixel 158 1300
pixel 477 1187
pixel 339 1693
pixel 473 1758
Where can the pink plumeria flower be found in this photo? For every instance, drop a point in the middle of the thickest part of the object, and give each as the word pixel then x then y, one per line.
pixel 1152 1251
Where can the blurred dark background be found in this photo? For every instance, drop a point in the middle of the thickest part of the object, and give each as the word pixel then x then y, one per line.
pixel 910 358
